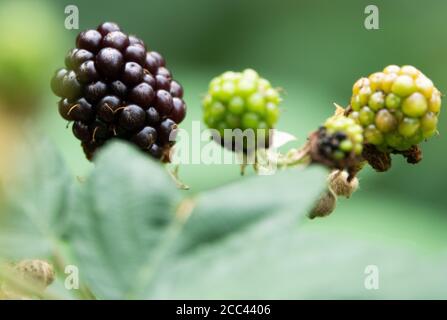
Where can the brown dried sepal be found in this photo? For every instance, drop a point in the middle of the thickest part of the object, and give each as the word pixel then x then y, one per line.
pixel 378 160
pixel 412 155
pixel 324 206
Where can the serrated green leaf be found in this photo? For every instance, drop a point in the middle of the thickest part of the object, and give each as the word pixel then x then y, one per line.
pixel 124 211
pixel 131 223
pixel 229 210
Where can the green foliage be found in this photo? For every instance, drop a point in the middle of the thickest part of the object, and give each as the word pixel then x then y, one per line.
pixel 132 224
pixel 134 235
pixel 128 222
pixel 25 28
pixel 36 217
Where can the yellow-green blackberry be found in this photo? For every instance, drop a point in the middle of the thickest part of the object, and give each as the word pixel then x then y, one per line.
pixel 398 108
pixel 241 100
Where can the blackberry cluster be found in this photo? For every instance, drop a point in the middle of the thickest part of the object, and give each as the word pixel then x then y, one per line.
pixel 340 138
pixel 398 108
pixel 241 100
pixel 114 87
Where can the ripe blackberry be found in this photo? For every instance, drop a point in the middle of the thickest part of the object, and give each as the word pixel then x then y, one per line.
pixel 398 108
pixel 241 100
pixel 87 72
pixel 113 87
pixel 109 62
pixel 135 53
pixel 132 117
pixel 81 131
pixel 145 138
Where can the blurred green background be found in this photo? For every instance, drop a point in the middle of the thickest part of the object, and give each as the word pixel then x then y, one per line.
pixel 314 50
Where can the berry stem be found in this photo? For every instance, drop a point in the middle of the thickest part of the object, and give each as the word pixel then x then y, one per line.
pixel 295 157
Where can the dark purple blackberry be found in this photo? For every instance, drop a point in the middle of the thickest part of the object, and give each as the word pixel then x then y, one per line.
pixel 134 40
pixel 162 71
pixel 69 58
pixel 78 57
pixel 152 117
pixel 64 109
pixel 100 131
pixel 89 40
pixel 81 110
pixel 132 118
pixel 94 92
pixel 151 63
pixel 142 95
pixel 176 89
pixel 167 131
pixel 160 60
pixel 135 53
pixel 109 62
pixel 145 138
pixel 132 73
pixel 156 151
pixel 70 87
pixel 162 83
pixel 75 57
pixel 107 108
pixel 178 111
pixel 150 80
pixel 116 39
pixel 89 148
pixel 81 131
pixel 114 87
pixel 163 102
pixel 87 72
pixel 56 82
pixel 108 27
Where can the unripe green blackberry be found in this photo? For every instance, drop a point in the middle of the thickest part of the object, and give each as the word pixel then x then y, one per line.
pixel 114 88
pixel 242 100
pixel 340 138
pixel 398 107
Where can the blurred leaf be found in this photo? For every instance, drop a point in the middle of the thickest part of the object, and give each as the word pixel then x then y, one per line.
pixel 37 194
pixel 230 209
pixel 123 212
pixel 27 58
pixel 128 227
pixel 270 263
pixel 397 220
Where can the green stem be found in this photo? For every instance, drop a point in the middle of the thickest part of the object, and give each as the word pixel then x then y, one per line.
pixel 295 157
